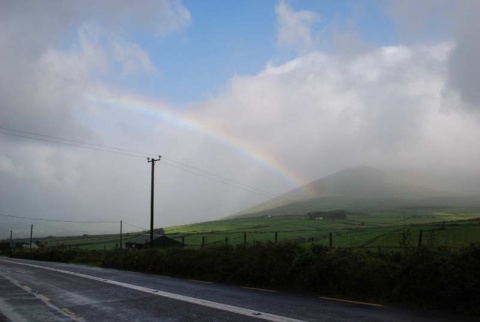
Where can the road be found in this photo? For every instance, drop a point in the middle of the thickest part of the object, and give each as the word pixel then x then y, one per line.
pixel 42 291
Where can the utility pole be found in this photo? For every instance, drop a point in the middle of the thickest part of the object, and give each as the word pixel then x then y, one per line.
pixel 11 240
pixel 31 233
pixel 152 161
pixel 121 233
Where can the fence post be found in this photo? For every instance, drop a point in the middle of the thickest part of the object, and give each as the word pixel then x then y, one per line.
pixel 183 241
pixel 203 241
pixel 244 238
pixel 31 234
pixel 226 241
pixel 420 237
pixel 330 240
pixel 121 228
pixel 276 236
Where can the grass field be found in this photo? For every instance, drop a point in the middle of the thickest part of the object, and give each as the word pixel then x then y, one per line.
pixel 369 230
pixel 372 230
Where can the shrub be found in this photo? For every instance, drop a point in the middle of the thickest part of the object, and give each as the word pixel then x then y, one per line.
pixel 433 277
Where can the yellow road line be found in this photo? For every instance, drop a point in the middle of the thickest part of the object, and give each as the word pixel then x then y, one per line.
pixel 204 282
pixel 351 302
pixel 67 311
pixel 258 289
pixel 43 297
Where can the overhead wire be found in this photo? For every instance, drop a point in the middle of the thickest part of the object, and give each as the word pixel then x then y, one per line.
pixel 142 228
pixel 137 154
pixel 62 220
pixel 66 143
pixel 74 221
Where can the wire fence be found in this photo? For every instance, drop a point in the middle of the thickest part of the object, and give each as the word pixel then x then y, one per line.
pixel 403 238
pixel 440 234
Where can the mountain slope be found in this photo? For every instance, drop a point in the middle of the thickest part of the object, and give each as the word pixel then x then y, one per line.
pixel 358 189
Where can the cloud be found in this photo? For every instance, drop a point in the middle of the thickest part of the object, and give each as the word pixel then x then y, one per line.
pixel 315 114
pixel 44 72
pixel 421 21
pixel 294 28
pixel 8 167
pixel 454 21
pixel 320 113
pixel 132 58
pixel 53 55
pixel 463 64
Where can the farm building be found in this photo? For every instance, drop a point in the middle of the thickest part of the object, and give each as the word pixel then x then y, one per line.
pixel 332 214
pixel 159 241
pixel 32 246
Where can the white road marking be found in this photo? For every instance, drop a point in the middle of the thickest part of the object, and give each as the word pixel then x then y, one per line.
pixel 215 305
pixel 41 297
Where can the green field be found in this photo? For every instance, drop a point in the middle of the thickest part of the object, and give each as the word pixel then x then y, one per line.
pixel 365 230
pixel 372 230
pixel 89 242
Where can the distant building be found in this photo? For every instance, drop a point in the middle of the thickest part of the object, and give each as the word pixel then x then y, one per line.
pixel 159 241
pixel 32 246
pixel 333 214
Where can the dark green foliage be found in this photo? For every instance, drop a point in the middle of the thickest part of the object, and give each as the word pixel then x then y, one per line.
pixel 332 214
pixel 4 246
pixel 429 277
pixel 60 255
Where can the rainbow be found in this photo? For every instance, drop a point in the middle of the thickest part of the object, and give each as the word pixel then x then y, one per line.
pixel 158 110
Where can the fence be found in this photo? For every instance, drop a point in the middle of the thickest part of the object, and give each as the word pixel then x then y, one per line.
pixel 403 238
pixel 439 234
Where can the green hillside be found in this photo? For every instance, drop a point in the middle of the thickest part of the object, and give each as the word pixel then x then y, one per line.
pixel 364 190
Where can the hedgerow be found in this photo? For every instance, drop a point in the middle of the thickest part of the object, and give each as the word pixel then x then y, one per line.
pixel 60 255
pixel 428 277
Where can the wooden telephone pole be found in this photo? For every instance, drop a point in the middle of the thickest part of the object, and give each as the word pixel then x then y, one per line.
pixel 152 161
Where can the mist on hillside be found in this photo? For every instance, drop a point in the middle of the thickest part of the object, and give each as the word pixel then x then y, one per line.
pixel 367 189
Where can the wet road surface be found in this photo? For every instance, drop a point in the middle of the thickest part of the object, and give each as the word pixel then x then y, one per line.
pixel 43 291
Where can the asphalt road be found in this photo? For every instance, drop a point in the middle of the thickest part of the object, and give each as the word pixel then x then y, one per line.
pixel 41 291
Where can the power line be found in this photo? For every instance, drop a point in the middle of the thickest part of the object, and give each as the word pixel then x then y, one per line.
pixel 70 144
pixel 227 182
pixel 142 228
pixel 60 220
pixel 137 154
pixel 132 153
pixel 241 185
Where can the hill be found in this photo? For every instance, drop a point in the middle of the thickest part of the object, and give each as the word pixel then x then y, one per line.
pixel 363 189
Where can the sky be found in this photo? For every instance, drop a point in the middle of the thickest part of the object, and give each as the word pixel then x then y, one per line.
pixel 244 101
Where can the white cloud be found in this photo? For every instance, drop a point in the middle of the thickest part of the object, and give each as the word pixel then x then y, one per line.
pixel 315 114
pixel 53 53
pixel 132 58
pixel 455 21
pixel 463 64
pixel 7 166
pixel 294 28
pixel 320 113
